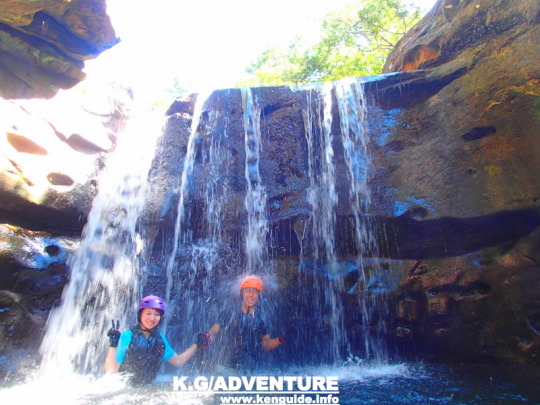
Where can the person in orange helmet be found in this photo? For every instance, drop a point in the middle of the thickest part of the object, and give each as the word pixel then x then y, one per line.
pixel 243 331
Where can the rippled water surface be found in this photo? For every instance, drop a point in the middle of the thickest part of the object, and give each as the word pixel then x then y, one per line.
pixel 392 384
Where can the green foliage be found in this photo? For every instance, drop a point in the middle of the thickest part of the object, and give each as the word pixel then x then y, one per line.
pixel 177 88
pixel 163 100
pixel 354 41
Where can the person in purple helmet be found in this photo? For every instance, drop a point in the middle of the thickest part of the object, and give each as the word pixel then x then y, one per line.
pixel 139 352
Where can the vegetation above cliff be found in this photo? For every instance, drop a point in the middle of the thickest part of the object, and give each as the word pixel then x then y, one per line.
pixel 354 41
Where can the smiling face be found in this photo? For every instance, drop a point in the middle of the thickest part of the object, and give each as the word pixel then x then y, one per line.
pixel 250 297
pixel 150 318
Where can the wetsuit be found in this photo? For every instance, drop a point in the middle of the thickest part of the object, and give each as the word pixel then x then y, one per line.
pixel 141 357
pixel 241 336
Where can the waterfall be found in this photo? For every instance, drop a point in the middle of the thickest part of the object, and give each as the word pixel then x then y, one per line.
pixel 355 139
pixel 189 161
pixel 319 254
pixel 255 199
pixel 105 273
pixel 322 199
pixel 198 246
pixel 196 291
pixel 108 279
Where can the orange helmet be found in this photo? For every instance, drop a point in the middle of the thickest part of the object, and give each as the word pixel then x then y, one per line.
pixel 252 282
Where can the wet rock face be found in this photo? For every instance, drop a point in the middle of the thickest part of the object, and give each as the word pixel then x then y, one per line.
pixel 454 185
pixel 482 307
pixel 33 274
pixel 466 154
pixel 43 44
pixel 20 334
pixel 51 152
pixel 25 250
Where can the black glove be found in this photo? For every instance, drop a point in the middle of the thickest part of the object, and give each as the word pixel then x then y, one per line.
pixel 114 334
pixel 286 335
pixel 203 340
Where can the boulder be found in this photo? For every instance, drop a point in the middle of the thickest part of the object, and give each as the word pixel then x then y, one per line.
pixel 43 44
pixel 52 154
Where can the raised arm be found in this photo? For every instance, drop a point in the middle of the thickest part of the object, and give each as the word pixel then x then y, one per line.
pixel 214 330
pixel 180 359
pixel 269 343
pixel 111 365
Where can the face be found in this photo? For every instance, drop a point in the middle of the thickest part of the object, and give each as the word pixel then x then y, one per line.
pixel 250 296
pixel 150 318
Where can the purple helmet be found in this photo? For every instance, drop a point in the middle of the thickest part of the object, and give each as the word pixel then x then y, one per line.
pixel 152 301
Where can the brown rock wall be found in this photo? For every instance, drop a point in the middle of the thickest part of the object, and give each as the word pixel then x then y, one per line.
pixel 471 150
pixel 43 44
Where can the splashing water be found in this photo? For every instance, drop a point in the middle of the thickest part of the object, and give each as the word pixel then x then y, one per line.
pixel 105 273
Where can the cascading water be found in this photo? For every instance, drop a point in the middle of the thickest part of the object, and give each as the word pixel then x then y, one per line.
pixel 183 195
pixel 207 248
pixel 319 252
pixel 198 245
pixel 105 276
pixel 255 200
pixel 355 140
pixel 319 241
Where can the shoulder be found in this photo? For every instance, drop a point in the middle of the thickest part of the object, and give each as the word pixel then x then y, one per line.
pixel 165 342
pixel 164 339
pixel 169 351
pixel 125 337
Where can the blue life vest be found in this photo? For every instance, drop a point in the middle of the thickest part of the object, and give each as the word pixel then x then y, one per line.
pixel 143 357
pixel 243 333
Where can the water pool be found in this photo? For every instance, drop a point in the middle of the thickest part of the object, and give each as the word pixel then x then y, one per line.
pixel 412 383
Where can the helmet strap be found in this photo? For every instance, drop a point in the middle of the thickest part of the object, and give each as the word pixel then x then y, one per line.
pixel 152 331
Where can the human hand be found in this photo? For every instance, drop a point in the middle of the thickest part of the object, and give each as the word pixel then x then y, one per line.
pixel 286 335
pixel 203 340
pixel 114 334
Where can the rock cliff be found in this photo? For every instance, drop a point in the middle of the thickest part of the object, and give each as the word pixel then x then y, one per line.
pixel 453 128
pixel 56 134
pixel 453 136
pixel 43 44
